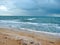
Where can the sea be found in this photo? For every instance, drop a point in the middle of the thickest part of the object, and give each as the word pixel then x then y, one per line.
pixel 37 23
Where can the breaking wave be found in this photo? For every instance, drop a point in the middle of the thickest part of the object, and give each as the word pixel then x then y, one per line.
pixel 46 27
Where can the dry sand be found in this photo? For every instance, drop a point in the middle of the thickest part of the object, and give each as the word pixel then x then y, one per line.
pixel 11 37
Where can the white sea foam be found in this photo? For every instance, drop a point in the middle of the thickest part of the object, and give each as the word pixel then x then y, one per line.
pixel 28 23
pixel 31 19
pixel 55 35
pixel 15 24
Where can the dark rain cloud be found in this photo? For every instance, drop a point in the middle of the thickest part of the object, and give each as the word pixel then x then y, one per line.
pixel 33 7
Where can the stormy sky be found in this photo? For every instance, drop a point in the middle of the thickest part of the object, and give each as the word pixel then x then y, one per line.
pixel 29 7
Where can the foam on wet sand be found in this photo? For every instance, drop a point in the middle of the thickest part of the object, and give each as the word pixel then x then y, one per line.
pixel 10 36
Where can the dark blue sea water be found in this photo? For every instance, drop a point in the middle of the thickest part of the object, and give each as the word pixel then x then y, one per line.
pixel 39 23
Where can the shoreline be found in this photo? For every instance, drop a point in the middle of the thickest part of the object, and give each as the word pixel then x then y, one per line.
pixel 29 31
pixel 29 34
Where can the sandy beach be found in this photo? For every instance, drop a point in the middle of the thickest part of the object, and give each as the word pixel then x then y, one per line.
pixel 23 37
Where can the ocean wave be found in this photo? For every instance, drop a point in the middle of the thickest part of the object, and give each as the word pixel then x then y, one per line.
pixel 36 24
pixel 47 27
pixel 31 18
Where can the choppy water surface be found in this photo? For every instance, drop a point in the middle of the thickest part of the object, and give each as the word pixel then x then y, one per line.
pixel 39 23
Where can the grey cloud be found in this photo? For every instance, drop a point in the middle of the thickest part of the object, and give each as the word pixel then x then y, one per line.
pixel 33 7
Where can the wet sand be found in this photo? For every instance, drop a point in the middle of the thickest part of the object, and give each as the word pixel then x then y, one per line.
pixel 11 37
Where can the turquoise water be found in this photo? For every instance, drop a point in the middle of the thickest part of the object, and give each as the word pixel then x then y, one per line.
pixel 39 23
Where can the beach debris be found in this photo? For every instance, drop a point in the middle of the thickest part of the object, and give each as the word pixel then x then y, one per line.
pixel 31 42
pixel 24 43
pixel 5 37
pixel 51 42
